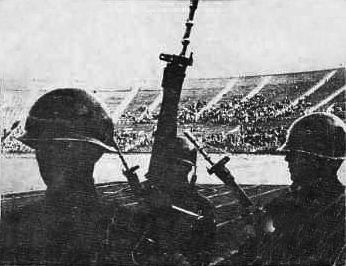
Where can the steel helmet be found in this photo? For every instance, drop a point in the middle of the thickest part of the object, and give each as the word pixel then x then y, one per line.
pixel 68 115
pixel 320 134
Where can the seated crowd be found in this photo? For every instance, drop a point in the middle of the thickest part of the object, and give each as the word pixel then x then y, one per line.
pixel 9 143
pixel 247 139
pixel 134 141
pixel 237 110
pixel 261 124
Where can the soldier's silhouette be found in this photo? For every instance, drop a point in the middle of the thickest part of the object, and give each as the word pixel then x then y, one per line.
pixel 69 131
pixel 309 218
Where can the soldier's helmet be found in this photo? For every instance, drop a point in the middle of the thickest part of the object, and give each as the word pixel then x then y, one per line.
pixel 319 134
pixel 68 115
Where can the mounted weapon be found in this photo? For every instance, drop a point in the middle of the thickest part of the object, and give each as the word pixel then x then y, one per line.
pixel 139 191
pixel 159 172
pixel 172 82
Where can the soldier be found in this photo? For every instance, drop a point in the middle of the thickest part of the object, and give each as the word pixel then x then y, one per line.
pixel 176 237
pixel 69 131
pixel 309 219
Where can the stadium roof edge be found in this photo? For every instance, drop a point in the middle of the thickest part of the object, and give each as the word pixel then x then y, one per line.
pixel 270 74
pixel 290 73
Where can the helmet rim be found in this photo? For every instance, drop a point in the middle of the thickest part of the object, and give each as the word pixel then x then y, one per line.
pixel 318 134
pixel 286 148
pixel 32 142
pixel 69 115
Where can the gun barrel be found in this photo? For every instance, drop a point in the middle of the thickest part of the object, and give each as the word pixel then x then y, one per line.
pixel 191 138
pixel 121 156
pixel 222 172
pixel 193 7
pixel 189 24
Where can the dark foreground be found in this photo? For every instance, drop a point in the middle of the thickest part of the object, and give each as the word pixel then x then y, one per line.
pixel 231 229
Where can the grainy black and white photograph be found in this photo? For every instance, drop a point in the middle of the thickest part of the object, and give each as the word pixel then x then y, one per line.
pixel 172 132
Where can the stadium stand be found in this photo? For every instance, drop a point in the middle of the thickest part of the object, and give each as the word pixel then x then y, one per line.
pixel 335 82
pixel 338 100
pixel 251 116
pixel 291 85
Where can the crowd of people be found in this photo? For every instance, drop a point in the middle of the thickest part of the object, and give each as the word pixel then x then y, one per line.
pixel 9 143
pixel 240 110
pixel 242 139
pixel 246 139
pixel 236 110
pixel 260 125
pixel 134 141
pixel 189 112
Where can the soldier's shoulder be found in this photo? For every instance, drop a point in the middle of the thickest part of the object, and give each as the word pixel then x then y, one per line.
pixel 285 200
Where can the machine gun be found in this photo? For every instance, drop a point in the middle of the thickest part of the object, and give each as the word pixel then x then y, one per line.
pixel 172 82
pixel 181 59
pixel 146 246
pixel 163 150
pixel 222 172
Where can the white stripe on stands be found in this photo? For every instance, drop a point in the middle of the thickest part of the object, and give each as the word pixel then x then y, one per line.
pixel 124 104
pixel 21 108
pixel 265 80
pixel 314 88
pixel 218 97
pixel 156 102
pixel 326 100
pixel 152 106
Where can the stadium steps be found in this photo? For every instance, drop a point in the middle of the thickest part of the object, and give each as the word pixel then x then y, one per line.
pixel 264 81
pixel 144 97
pixel 15 97
pixel 243 87
pixel 340 98
pixel 334 83
pixel 290 85
pixel 112 98
pixel 201 89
